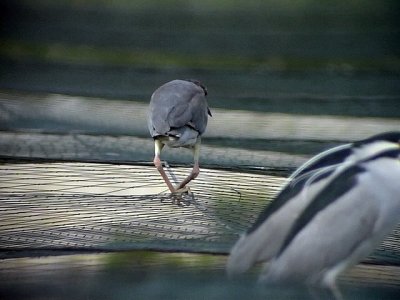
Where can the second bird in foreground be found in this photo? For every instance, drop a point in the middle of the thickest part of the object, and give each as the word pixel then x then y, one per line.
pixel 333 212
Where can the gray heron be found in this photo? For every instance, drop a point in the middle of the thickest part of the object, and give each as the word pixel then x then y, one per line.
pixel 333 211
pixel 178 115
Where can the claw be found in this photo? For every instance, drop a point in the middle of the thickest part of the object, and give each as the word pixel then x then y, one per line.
pixel 178 195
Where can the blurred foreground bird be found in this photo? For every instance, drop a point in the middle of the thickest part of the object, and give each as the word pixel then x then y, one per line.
pixel 334 210
pixel 178 115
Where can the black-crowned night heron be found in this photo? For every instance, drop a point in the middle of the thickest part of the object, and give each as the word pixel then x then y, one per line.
pixel 178 115
pixel 334 211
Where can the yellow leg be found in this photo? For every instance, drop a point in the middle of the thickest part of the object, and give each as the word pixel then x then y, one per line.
pixel 157 162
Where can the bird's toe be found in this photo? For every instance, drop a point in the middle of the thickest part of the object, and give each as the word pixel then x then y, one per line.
pixel 183 190
pixel 179 195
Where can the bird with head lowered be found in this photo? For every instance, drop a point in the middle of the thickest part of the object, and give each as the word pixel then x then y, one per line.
pixel 178 115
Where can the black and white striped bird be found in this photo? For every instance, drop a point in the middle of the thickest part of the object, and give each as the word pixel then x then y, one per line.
pixel 334 210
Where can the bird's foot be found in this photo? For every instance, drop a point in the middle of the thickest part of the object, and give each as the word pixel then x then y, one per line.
pixel 183 190
pixel 178 196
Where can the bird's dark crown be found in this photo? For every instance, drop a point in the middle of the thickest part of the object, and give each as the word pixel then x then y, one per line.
pixel 198 82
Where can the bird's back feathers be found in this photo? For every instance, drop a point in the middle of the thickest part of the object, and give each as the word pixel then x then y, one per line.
pixel 334 176
pixel 177 104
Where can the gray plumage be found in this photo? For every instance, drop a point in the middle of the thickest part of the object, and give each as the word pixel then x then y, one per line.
pixel 358 209
pixel 333 211
pixel 178 115
pixel 178 110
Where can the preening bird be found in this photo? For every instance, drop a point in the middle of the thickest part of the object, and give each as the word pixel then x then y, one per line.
pixel 334 210
pixel 178 115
